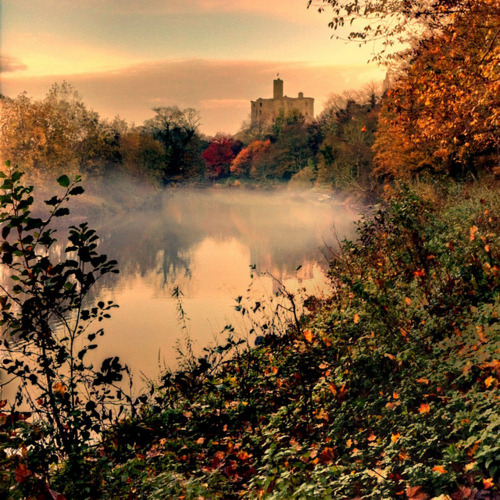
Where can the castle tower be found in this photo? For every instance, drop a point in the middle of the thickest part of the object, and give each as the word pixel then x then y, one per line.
pixel 278 88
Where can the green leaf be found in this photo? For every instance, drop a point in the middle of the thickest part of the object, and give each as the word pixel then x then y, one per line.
pixel 53 201
pixel 63 181
pixel 77 190
pixel 60 212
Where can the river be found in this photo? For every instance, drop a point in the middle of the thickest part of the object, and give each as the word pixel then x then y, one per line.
pixel 214 245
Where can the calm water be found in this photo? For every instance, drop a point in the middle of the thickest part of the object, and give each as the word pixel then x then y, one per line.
pixel 204 242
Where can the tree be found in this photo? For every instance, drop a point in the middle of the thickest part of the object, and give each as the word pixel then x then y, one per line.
pixel 345 157
pixel 218 157
pixel 242 163
pixel 392 21
pixel 442 113
pixel 56 133
pixel 176 130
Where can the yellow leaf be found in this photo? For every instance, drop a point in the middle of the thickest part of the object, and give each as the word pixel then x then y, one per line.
pixel 356 318
pixel 440 469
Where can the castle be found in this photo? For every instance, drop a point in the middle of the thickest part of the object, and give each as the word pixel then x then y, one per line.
pixel 265 111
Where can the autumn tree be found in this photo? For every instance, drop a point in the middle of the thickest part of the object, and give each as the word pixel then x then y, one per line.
pixel 390 22
pixel 219 155
pixel 242 163
pixel 443 112
pixel 55 133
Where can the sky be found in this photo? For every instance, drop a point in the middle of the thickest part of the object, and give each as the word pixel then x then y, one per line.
pixel 126 57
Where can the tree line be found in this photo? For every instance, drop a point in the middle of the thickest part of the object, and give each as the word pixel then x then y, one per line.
pixel 439 114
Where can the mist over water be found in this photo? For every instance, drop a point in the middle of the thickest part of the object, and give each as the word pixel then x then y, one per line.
pixel 206 242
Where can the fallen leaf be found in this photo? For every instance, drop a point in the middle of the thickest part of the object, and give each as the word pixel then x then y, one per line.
pixel 395 437
pixel 356 318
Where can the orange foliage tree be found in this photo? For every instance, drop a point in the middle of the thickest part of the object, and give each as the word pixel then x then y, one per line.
pixel 242 164
pixel 443 112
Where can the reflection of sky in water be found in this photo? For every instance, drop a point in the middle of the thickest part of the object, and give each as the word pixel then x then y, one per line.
pixel 204 241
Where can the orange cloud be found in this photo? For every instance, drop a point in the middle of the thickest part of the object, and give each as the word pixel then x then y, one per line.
pixel 11 64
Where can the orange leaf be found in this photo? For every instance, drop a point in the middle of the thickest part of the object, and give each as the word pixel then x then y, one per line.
pixel 408 301
pixel 395 437
pixel 60 388
pixel 488 483
pixel 372 437
pixel 473 230
pixel 423 381
pixel 22 473
pixel 416 493
pixel 440 469
pixel 480 334
pixel 326 455
pixel 424 408
pixel 308 335
pixel 356 318
pixel 488 381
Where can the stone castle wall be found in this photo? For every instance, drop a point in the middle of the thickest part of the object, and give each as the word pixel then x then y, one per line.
pixel 265 111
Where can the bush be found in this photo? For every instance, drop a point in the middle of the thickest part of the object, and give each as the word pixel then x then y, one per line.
pixel 49 328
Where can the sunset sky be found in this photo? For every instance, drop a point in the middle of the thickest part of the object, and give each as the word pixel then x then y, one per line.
pixel 128 56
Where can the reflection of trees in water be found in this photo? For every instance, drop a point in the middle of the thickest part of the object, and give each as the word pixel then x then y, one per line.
pixel 281 231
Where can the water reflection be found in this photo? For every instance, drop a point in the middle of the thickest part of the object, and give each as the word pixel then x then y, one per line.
pixel 204 241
